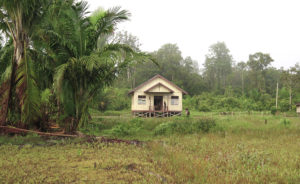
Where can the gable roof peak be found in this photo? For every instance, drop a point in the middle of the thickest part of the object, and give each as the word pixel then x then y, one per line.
pixel 155 77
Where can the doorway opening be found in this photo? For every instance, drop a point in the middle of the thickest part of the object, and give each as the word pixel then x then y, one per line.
pixel 158 103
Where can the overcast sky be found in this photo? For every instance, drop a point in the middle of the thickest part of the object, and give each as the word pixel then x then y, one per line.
pixel 246 26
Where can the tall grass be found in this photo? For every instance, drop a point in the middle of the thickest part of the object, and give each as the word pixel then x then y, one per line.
pixel 237 149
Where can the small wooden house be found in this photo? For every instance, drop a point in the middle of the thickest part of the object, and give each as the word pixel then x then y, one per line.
pixel 298 108
pixel 157 97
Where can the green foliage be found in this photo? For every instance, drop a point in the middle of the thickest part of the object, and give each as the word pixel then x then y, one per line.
pixel 218 66
pixel 203 108
pixel 90 66
pixel 112 99
pixel 273 110
pixel 128 128
pixel 258 64
pixel 59 58
pixel 285 122
pixel 208 102
pixel 284 105
pixel 184 72
pixel 5 61
pixel 252 150
pixel 28 92
pixel 185 126
pixel 45 96
pixel 204 124
pixel 164 128
pixel 92 128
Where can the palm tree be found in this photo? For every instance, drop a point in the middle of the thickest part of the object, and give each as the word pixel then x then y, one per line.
pixel 91 63
pixel 18 20
pixel 58 42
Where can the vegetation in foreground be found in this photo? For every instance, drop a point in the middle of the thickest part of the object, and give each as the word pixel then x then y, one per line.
pixel 238 149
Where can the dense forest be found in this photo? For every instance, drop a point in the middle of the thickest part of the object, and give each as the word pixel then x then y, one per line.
pixel 221 84
pixel 57 60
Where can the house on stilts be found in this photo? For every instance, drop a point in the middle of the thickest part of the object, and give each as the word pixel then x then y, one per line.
pixel 157 97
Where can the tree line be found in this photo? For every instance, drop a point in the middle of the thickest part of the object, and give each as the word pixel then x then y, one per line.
pixel 220 84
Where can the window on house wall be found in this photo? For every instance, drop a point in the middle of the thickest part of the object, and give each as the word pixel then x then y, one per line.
pixel 142 100
pixel 174 100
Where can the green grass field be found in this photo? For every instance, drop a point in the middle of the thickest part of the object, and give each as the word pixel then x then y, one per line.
pixel 240 148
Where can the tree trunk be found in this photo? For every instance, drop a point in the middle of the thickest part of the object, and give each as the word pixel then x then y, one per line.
pixel 6 87
pixel 290 98
pixel 10 84
pixel 5 91
pixel 19 52
pixel 20 42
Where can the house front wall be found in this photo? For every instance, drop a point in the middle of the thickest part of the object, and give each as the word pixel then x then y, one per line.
pixel 157 91
pixel 298 109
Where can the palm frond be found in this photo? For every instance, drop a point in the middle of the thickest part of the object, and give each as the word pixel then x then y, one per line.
pixel 104 23
pixel 59 76
pixel 6 54
pixel 6 74
pixel 27 92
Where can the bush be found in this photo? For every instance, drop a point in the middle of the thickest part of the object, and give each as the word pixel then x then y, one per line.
pixel 204 124
pixel 121 130
pixel 163 129
pixel 128 128
pixel 285 122
pixel 203 108
pixel 185 126
pixel 92 128
pixel 273 110
pixel 284 105
pixel 112 99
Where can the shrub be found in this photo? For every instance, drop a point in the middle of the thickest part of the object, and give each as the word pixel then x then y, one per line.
pixel 284 105
pixel 163 128
pixel 92 128
pixel 112 99
pixel 273 110
pixel 204 108
pixel 128 128
pixel 185 126
pixel 285 122
pixel 204 124
pixel 121 130
pixel 136 122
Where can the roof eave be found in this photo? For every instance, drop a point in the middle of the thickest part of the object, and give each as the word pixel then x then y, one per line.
pixel 158 76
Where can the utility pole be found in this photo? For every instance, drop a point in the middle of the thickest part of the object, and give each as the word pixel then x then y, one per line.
pixel 277 96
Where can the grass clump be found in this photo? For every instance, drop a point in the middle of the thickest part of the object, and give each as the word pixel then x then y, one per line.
pixel 185 126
